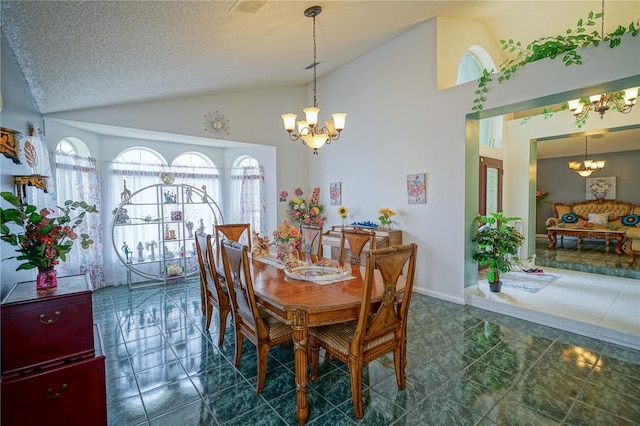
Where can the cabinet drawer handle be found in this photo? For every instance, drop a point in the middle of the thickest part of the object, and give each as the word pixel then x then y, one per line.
pixel 50 321
pixel 52 395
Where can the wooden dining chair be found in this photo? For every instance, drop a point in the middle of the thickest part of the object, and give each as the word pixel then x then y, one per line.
pixel 357 343
pixel 258 327
pixel 240 232
pixel 311 242
pixel 215 294
pixel 357 239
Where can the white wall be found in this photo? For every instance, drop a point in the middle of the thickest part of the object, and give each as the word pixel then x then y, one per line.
pixel 399 124
pixel 18 110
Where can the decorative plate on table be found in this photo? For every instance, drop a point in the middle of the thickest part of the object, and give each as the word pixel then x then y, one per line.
pixel 317 273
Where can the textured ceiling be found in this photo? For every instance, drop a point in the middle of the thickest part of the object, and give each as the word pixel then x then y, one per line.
pixel 83 54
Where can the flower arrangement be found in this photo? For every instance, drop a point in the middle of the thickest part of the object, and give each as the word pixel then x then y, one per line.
pixel 385 216
pixel 286 232
pixel 541 194
pixel 45 240
pixel 302 211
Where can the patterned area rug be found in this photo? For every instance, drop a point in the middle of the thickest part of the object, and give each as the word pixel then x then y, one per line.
pixel 532 283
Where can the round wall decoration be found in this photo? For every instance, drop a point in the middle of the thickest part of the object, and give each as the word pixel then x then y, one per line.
pixel 216 124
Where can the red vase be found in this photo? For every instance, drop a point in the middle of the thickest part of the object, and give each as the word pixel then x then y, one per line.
pixel 46 278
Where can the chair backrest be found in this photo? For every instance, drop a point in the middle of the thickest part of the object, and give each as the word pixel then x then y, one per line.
pixel 206 259
pixel 240 285
pixel 389 262
pixel 311 242
pixel 357 239
pixel 240 232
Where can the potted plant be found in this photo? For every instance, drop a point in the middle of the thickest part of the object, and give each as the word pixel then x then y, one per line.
pixel 497 239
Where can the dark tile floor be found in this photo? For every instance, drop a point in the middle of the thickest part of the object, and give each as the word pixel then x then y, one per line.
pixel 466 366
pixel 592 257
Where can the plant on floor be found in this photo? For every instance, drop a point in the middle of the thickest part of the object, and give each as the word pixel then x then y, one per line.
pixel 497 238
pixel 564 46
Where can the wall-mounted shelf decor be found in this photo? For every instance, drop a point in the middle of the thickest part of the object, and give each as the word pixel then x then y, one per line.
pixel 22 182
pixel 9 144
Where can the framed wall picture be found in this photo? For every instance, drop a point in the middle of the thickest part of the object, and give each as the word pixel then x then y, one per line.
pixel 417 188
pixel 335 193
pixel 601 188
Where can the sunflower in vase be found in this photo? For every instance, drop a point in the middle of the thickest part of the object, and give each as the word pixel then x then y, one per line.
pixel 45 240
pixel 385 217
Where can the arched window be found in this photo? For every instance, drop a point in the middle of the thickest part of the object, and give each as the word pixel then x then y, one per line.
pixel 470 68
pixel 196 169
pixel 247 193
pixel 73 146
pixel 132 170
pixel 77 179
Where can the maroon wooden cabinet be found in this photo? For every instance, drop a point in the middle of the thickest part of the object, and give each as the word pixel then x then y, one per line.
pixel 52 358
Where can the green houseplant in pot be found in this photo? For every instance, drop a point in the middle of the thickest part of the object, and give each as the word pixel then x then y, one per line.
pixel 497 238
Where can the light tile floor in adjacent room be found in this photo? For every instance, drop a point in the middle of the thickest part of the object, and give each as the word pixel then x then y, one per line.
pixel 466 366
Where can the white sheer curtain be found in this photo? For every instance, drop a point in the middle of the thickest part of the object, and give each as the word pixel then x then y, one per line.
pixel 199 177
pixel 133 176
pixel 247 197
pixel 77 180
pixel 137 176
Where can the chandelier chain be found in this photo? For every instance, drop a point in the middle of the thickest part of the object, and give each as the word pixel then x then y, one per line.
pixel 315 63
pixel 602 23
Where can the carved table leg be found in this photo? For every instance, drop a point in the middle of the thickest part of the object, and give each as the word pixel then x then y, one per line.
pixel 300 343
pixel 553 239
pixel 619 239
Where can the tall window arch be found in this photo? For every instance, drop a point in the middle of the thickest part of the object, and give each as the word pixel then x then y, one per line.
pixel 247 193
pixel 473 61
pixel 132 170
pixel 196 169
pixel 77 179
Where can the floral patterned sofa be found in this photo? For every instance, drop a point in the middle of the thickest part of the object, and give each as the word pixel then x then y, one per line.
pixel 598 214
pixel 608 213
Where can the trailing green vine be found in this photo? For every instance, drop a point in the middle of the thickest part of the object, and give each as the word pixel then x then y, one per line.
pixel 564 46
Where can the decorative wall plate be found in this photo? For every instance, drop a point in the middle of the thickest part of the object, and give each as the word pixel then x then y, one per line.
pixel 216 125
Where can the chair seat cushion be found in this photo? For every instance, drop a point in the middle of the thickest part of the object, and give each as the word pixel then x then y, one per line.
pixel 339 336
pixel 277 329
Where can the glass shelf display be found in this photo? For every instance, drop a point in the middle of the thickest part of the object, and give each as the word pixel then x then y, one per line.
pixel 153 232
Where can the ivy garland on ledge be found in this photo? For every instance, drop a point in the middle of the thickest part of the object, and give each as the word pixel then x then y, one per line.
pixel 565 46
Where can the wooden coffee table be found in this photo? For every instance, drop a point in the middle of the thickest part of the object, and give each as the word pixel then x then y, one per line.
pixel 580 233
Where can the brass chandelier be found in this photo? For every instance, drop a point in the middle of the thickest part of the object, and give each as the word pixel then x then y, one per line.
pixel 586 167
pixel 313 135
pixel 622 100
pixel 601 103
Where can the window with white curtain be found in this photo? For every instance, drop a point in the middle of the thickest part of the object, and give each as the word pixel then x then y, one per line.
pixel 196 169
pixel 138 168
pixel 247 194
pixel 132 170
pixel 77 180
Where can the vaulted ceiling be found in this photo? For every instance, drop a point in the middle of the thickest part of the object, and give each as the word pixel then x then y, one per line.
pixel 83 54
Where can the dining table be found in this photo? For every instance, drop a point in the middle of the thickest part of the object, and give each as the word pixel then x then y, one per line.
pixel 304 304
